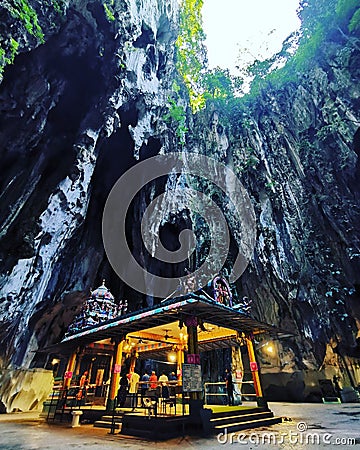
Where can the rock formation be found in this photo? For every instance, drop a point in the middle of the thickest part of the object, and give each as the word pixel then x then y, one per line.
pixel 77 111
pixel 86 98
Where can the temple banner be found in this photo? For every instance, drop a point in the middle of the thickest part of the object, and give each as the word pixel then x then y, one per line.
pixel 191 374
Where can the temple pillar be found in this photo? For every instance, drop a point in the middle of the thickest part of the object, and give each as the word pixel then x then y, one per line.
pixel 179 362
pixel 79 358
pixel 69 370
pixel 254 367
pixel 115 374
pixel 193 345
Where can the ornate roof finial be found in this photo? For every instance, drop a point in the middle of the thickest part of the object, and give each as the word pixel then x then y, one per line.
pixel 98 308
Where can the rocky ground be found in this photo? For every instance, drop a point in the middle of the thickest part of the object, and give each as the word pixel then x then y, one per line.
pixel 305 426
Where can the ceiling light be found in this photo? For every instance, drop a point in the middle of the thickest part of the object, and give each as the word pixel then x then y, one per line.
pixel 172 357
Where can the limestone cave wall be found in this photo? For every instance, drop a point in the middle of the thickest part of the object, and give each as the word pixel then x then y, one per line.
pixel 87 100
pixel 79 106
pixel 296 150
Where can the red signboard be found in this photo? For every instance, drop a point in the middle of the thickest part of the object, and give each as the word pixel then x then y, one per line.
pixel 193 358
pixel 253 366
pixel 68 375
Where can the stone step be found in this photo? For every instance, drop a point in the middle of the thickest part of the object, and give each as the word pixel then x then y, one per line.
pixel 109 421
pixel 240 412
pixel 219 421
pixel 105 424
pixel 231 427
pixel 117 418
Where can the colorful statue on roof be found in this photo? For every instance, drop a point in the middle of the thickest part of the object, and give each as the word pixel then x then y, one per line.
pixel 222 291
pixel 98 308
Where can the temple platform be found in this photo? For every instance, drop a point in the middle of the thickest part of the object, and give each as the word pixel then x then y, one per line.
pixel 167 425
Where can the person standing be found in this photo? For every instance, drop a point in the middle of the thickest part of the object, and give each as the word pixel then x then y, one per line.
pixel 163 379
pixel 122 392
pixel 172 384
pixel 229 387
pixel 144 385
pixel 153 380
pixel 172 377
pixel 81 395
pixel 336 381
pixel 84 380
pixel 134 384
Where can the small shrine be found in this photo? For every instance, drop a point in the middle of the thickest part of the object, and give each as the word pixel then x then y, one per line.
pixel 175 336
pixel 98 308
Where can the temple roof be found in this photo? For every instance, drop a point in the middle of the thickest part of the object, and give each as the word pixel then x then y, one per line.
pixel 166 312
pixel 102 292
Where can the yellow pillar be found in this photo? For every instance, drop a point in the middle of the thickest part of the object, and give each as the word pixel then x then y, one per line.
pixel 69 371
pixel 179 362
pixel 115 371
pixel 255 372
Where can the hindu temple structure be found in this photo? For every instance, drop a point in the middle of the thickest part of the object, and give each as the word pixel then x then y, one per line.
pixel 98 308
pixel 106 342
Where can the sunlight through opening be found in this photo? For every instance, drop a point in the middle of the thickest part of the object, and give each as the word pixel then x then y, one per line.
pixel 240 31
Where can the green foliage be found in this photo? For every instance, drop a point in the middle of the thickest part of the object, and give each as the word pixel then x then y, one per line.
pixel 219 84
pixel 191 52
pixel 108 12
pixel 14 45
pixel 176 115
pixel 320 21
pixel 251 162
pixel 306 147
pixel 216 85
pixel 23 11
pixel 5 60
pixel 328 14
pixel 354 24
pixel 2 60
pixel 58 6
pixel 324 132
pixel 345 8
pixel 308 49
pixel 270 185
